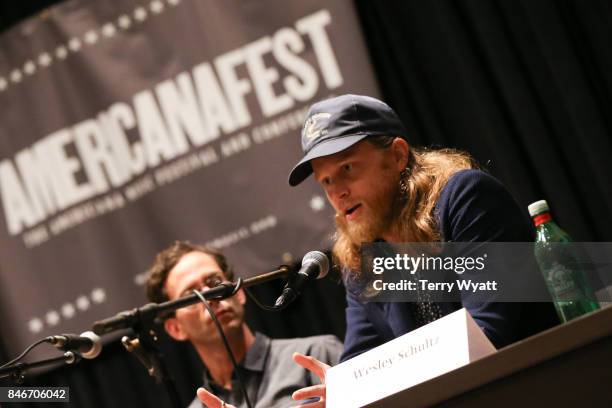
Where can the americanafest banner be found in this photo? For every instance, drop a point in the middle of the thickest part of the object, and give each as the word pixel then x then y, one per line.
pixel 128 124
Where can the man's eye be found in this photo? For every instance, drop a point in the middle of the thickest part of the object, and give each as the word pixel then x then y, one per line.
pixel 213 281
pixel 348 166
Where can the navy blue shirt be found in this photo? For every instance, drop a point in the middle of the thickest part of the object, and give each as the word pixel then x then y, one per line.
pixel 472 207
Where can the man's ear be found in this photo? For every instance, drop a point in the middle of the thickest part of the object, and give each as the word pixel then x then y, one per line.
pixel 174 329
pixel 400 149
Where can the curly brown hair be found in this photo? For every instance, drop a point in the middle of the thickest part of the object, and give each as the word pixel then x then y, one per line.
pixel 168 258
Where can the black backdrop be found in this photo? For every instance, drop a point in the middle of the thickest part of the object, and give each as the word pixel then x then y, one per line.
pixel 525 86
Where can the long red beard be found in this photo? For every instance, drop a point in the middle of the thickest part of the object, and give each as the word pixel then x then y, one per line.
pixel 377 217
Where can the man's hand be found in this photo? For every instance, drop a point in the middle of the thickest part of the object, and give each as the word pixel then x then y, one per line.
pixel 211 400
pixel 314 391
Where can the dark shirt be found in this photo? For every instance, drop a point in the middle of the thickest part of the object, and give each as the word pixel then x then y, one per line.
pixel 270 376
pixel 472 207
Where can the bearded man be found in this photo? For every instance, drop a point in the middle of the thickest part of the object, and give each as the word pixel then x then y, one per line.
pixel 384 189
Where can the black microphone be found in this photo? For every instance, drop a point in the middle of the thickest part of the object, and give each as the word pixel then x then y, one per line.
pixel 87 344
pixel 315 265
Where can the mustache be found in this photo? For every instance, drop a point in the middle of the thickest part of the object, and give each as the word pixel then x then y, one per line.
pixel 378 216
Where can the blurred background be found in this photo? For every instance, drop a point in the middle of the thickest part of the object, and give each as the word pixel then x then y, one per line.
pixel 126 125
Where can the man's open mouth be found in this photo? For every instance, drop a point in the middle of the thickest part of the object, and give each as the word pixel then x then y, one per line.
pixel 352 209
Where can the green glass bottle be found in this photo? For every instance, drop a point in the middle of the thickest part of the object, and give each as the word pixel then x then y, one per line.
pixel 560 265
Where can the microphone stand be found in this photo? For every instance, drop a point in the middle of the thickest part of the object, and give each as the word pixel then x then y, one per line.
pixel 17 371
pixel 143 322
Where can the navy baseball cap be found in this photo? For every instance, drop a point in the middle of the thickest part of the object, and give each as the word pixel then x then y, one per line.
pixel 335 124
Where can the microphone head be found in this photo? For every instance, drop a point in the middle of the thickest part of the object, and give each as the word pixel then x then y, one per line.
pixel 320 259
pixel 96 347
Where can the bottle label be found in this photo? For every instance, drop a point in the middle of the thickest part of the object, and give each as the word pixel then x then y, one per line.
pixel 541 219
pixel 561 281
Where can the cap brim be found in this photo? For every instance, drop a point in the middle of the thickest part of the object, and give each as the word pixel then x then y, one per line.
pixel 303 169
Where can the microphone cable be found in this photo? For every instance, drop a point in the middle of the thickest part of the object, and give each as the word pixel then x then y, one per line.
pixel 261 305
pixel 225 342
pixel 26 351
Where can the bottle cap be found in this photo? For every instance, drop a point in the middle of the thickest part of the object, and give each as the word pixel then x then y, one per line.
pixel 538 208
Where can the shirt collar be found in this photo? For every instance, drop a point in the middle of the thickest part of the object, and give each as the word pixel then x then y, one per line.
pixel 254 359
pixel 257 354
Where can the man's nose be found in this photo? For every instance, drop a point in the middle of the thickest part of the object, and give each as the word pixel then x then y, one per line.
pixel 214 306
pixel 339 192
pixel 211 302
pixel 214 303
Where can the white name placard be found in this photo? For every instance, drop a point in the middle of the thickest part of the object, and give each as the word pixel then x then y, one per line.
pixel 429 351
